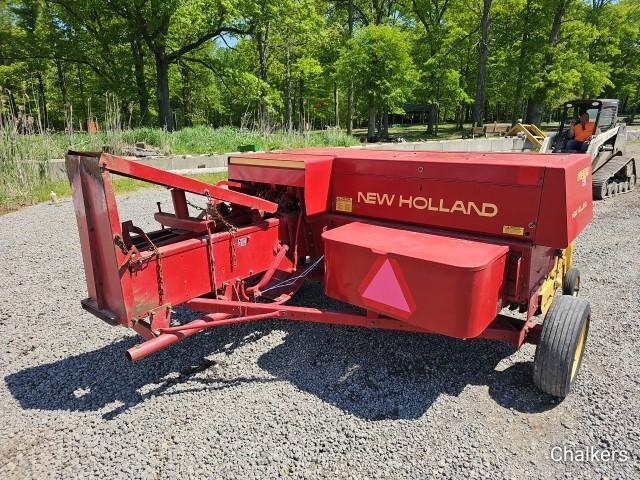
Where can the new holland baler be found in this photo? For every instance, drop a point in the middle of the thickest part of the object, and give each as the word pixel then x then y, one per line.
pixel 468 245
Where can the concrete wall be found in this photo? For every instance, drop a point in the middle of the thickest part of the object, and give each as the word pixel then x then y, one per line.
pixel 633 135
pixel 190 164
pixel 497 144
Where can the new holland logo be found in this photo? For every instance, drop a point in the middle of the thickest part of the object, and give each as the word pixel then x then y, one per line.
pixel 427 203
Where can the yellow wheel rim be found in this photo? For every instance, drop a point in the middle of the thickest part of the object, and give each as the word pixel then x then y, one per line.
pixel 576 290
pixel 579 349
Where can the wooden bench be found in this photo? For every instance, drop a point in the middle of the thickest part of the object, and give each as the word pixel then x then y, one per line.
pixel 497 129
pixel 474 132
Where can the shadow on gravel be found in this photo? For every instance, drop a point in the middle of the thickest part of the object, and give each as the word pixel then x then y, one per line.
pixel 93 380
pixel 378 375
pixel 372 374
pixel 388 375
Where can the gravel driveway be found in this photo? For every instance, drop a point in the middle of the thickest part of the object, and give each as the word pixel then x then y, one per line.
pixel 277 399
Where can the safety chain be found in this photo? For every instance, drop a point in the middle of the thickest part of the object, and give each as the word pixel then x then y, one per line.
pixel 213 213
pixel 159 273
pixel 119 242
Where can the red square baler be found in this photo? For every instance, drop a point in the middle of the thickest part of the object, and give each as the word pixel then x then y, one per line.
pixel 435 242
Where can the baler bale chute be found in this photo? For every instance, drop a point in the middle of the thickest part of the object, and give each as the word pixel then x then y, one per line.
pixel 434 242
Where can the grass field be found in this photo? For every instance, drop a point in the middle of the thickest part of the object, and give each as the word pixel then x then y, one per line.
pixel 42 192
pixel 24 158
pixel 415 133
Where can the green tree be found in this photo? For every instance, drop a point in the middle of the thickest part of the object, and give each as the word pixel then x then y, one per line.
pixel 378 62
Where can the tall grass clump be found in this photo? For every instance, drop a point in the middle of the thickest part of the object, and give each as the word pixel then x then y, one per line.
pixel 27 146
pixel 24 152
pixel 204 139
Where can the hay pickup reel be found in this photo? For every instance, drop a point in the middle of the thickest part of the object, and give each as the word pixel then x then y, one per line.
pixel 433 242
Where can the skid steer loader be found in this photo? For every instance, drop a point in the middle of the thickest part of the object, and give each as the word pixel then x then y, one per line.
pixel 613 171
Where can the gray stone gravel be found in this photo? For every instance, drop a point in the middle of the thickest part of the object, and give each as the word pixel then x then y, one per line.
pixel 278 399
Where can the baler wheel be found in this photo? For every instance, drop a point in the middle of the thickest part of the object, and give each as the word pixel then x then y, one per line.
pixel 571 282
pixel 561 347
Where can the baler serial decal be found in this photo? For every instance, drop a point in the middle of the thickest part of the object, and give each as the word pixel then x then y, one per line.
pixel 344 204
pixel 427 203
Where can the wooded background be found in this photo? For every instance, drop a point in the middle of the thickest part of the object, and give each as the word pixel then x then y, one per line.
pixel 308 64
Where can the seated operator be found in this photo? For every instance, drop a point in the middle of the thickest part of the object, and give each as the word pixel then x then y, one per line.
pixel 579 133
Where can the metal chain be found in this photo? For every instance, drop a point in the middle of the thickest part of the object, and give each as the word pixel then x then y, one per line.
pixel 213 212
pixel 197 207
pixel 159 273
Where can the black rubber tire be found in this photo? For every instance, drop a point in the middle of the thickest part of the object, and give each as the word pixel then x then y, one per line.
pixel 628 169
pixel 600 191
pixel 561 347
pixel 571 282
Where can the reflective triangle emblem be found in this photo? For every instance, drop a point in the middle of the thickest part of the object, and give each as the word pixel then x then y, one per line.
pixel 385 289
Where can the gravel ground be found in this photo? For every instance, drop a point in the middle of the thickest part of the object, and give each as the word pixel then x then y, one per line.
pixel 300 400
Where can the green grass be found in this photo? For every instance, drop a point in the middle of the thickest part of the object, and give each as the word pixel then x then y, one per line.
pixel 188 140
pixel 42 193
pixel 228 139
pixel 24 158
pixel 415 133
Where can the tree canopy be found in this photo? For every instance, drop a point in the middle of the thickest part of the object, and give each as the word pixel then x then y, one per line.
pixel 303 64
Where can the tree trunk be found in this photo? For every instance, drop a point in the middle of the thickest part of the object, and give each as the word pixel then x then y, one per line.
pixel 83 99
pixel 385 125
pixel 287 88
pixel 460 117
pixel 301 123
pixel 186 95
pixel 535 104
pixel 162 80
pixel 62 83
pixel 143 95
pixel 522 57
pixel 335 103
pixel 431 119
pixel 261 40
pixel 371 125
pixel 43 99
pixel 478 107
pixel 350 86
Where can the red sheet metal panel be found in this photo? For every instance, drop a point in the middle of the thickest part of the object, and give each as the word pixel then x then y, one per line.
pixel 436 283
pixel 185 265
pixel 566 206
pixel 98 224
pixel 313 172
pixel 489 208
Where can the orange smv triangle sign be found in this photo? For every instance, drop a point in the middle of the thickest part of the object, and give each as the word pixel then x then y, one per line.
pixel 384 288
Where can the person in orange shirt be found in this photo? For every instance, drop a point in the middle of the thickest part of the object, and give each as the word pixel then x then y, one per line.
pixel 580 132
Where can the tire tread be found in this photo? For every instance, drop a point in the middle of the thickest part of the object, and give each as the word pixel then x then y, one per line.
pixel 558 341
